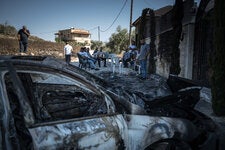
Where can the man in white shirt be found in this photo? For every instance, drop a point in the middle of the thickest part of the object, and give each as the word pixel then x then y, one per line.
pixel 68 52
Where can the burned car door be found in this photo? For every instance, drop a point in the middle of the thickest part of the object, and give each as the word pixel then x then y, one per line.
pixel 66 113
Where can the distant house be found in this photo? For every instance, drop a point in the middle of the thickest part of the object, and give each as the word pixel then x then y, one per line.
pixel 72 34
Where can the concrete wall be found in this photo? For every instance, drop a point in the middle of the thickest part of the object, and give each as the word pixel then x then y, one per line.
pixel 186 51
pixel 163 42
pixel 186 54
pixel 162 67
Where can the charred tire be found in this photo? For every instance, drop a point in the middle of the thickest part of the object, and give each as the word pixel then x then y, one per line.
pixel 169 144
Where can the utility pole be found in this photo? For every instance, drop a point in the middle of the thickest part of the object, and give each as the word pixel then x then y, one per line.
pixel 99 33
pixel 131 12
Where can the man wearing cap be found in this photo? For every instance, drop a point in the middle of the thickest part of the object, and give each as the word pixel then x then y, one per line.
pixel 23 35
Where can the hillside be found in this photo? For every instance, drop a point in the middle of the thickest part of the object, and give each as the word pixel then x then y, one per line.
pixel 9 46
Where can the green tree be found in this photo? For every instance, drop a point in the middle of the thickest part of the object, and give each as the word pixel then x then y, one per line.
pixel 7 30
pixel 57 40
pixel 218 77
pixel 118 40
pixel 96 44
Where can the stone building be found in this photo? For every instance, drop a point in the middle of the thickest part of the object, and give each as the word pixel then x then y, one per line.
pixel 164 36
pixel 72 34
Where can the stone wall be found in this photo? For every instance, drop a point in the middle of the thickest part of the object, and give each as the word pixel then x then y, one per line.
pixel 164 42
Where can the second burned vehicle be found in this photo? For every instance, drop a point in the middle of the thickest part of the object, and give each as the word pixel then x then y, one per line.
pixel 47 104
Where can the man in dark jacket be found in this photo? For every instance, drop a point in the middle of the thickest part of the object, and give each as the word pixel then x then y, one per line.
pixel 23 35
pixel 101 56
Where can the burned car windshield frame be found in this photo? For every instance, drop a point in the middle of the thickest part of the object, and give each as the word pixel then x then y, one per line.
pixel 50 78
pixel 87 91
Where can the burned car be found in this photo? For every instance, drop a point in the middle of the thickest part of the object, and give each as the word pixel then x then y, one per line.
pixel 48 104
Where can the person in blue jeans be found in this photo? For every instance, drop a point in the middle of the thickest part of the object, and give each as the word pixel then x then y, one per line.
pixel 144 51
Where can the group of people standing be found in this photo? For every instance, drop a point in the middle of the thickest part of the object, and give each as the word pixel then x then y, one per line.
pixel 134 56
pixel 131 55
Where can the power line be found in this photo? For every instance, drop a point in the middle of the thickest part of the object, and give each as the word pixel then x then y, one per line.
pixel 147 2
pixel 98 27
pixel 44 32
pixel 93 28
pixel 116 17
pixel 131 13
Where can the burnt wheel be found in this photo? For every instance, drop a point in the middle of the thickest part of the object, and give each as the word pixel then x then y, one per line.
pixel 169 144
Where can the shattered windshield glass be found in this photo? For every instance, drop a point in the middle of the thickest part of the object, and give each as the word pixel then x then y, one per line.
pixel 41 77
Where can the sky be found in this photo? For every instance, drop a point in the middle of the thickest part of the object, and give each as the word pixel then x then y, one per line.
pixel 44 18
